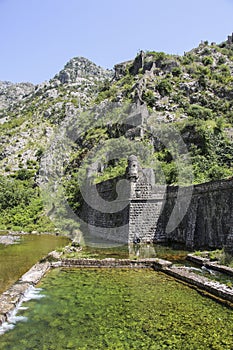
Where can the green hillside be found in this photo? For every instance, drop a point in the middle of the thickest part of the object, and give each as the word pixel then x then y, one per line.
pixel 192 94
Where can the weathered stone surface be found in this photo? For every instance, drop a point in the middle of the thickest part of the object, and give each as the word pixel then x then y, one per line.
pixel 207 223
pixel 215 288
pixel 103 216
pixel 112 262
pixel 11 93
pixel 138 63
pixel 11 297
pixel 211 265
pixel 54 255
pixel 35 274
pixel 13 294
pixel 79 68
pixel 120 69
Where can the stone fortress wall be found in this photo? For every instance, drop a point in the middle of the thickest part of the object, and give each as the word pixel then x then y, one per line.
pixel 208 220
pixel 145 210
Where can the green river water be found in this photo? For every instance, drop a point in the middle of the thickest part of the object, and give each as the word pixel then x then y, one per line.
pixel 18 258
pixel 119 309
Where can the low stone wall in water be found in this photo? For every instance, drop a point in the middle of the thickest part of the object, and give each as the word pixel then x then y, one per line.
pixel 112 263
pixel 219 290
pixel 210 265
pixel 13 296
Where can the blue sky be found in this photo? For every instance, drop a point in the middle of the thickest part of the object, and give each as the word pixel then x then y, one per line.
pixel 39 36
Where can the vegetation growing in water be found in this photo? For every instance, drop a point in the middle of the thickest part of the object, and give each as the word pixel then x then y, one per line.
pixel 120 309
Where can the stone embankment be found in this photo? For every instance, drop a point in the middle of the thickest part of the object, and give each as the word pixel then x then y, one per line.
pixel 6 240
pixel 213 265
pixel 12 297
pixel 216 290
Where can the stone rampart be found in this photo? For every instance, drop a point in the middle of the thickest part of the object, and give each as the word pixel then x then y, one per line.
pixel 138 211
pixel 207 222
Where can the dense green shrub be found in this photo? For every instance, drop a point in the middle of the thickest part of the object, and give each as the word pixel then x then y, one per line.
pixel 208 60
pixel 24 174
pixel 221 60
pixel 149 97
pixel 199 112
pixel 21 207
pixel 164 87
pixel 176 71
pixel 225 70
pixel 209 149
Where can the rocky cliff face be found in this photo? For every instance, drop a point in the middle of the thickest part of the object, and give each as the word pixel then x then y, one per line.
pixel 32 112
pixel 194 92
pixel 11 93
pixel 80 68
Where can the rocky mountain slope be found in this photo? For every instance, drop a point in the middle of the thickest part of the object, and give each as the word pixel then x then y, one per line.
pixel 27 124
pixel 11 93
pixel 193 93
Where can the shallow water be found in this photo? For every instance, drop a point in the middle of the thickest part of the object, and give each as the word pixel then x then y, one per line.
pixel 119 309
pixel 131 252
pixel 16 259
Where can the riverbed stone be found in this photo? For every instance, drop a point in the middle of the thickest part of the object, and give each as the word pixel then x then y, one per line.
pixel 8 239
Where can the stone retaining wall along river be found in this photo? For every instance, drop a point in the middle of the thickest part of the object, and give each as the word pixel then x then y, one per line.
pixel 10 299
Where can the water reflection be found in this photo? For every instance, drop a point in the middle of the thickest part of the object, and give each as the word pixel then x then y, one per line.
pixel 131 251
pixel 142 251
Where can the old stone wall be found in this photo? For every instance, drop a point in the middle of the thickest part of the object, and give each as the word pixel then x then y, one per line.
pixel 146 203
pixel 207 222
pixel 140 212
pixel 106 218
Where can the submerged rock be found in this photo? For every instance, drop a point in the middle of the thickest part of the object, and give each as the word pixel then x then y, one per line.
pixel 6 240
